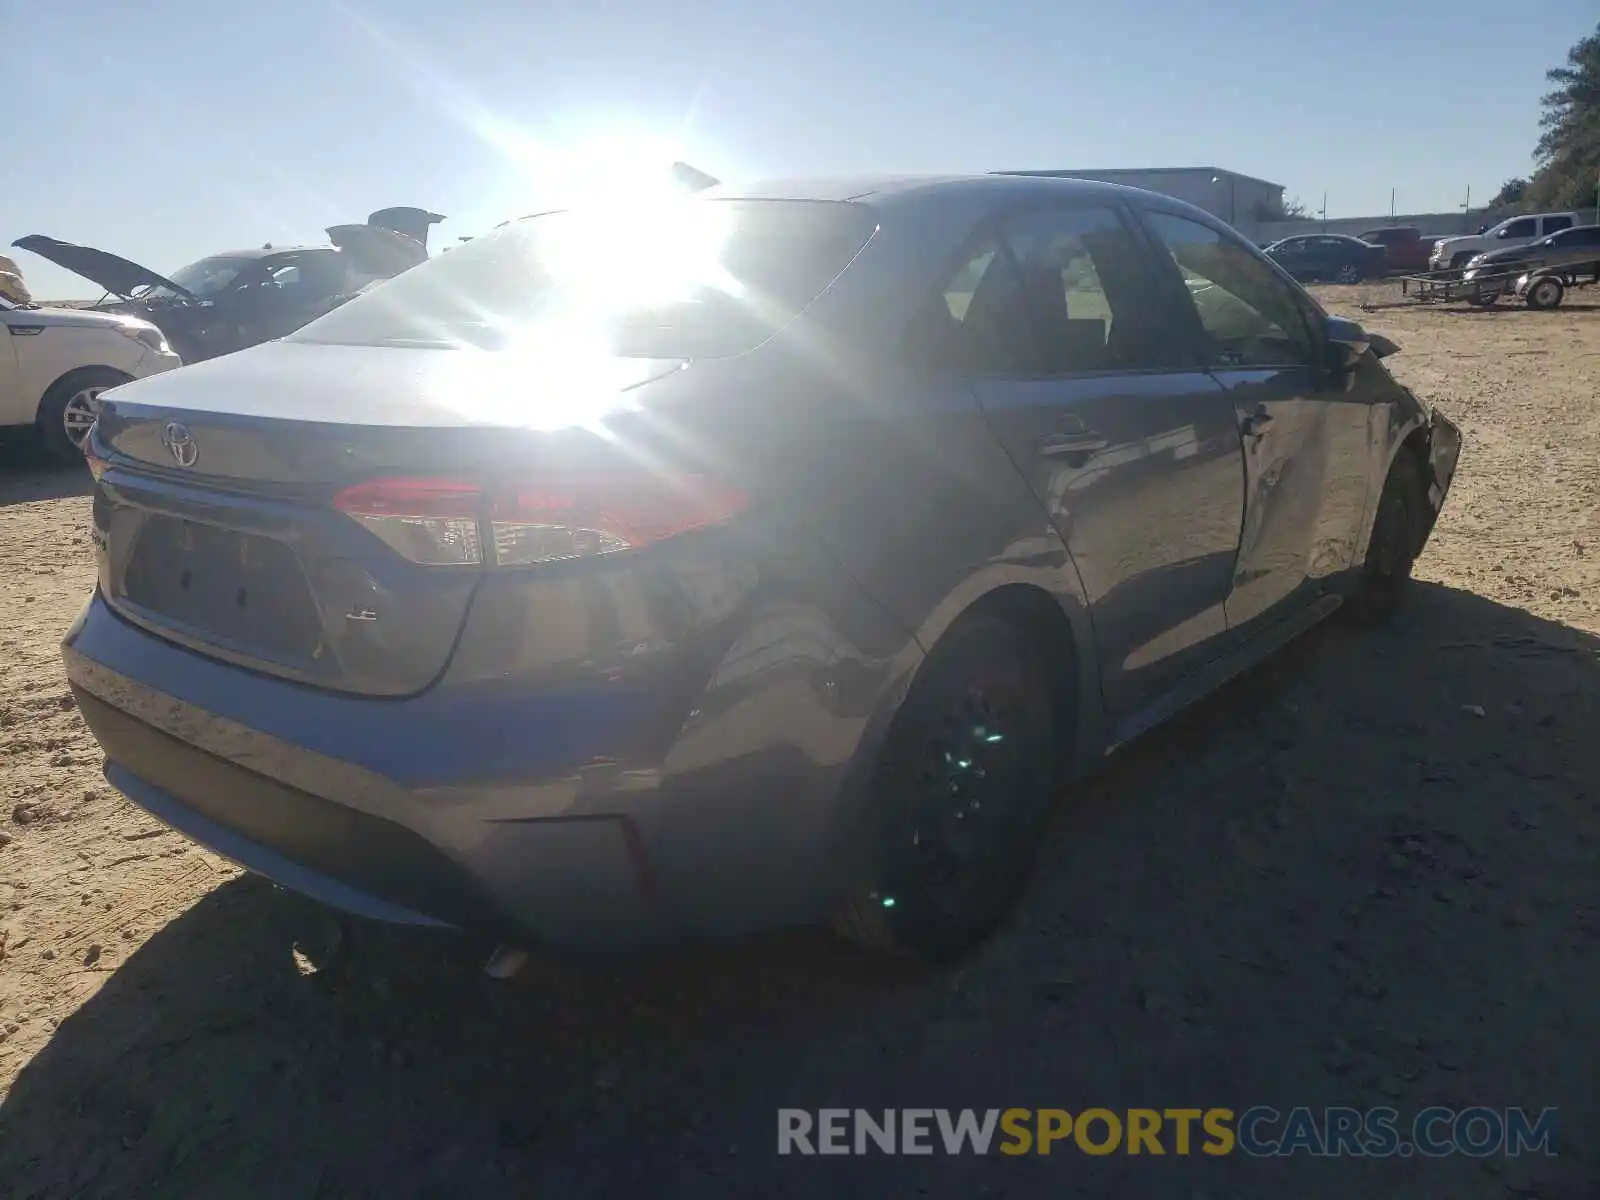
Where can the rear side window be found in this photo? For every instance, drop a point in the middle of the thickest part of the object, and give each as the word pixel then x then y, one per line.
pixel 1062 291
pixel 1090 295
pixel 977 323
pixel 317 274
pixel 703 279
pixel 1554 224
pixel 1249 315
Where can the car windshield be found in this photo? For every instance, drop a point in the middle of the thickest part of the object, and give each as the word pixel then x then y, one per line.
pixel 204 278
pixel 693 279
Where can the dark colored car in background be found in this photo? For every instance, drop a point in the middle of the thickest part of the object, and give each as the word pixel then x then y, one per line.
pixel 1328 257
pixel 1571 254
pixel 225 302
pixel 1405 249
pixel 618 578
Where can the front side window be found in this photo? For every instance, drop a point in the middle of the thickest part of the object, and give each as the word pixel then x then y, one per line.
pixel 1250 317
pixel 1526 228
pixel 284 275
pixel 207 277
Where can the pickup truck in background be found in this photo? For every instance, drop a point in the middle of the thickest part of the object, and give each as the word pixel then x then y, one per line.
pixel 1454 252
pixel 1405 249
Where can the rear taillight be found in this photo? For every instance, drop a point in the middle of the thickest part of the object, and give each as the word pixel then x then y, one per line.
pixel 565 516
pixel 590 514
pixel 429 521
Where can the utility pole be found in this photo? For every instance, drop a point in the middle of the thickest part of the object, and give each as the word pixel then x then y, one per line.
pixel 1466 212
pixel 1324 213
pixel 1391 204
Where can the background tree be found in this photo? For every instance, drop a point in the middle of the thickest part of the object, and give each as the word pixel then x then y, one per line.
pixel 1568 154
pixel 1512 193
pixel 1288 210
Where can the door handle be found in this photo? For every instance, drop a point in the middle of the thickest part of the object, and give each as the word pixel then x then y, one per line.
pixel 1084 441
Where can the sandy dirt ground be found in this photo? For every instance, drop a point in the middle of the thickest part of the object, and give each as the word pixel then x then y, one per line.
pixel 1364 875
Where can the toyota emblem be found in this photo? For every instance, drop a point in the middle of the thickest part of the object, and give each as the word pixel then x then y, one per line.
pixel 180 444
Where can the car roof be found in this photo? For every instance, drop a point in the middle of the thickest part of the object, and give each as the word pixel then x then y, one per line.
pixel 891 189
pixel 265 251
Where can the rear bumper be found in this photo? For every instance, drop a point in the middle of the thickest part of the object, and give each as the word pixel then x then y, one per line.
pixel 723 833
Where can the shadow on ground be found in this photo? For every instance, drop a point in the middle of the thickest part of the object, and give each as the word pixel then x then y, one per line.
pixel 1336 883
pixel 28 474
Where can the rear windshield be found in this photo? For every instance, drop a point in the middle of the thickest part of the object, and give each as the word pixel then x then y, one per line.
pixel 698 279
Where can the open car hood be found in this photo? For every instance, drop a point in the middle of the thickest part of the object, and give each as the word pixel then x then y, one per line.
pixel 117 275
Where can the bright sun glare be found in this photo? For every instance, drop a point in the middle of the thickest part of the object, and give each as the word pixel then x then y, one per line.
pixel 641 250
pixel 632 239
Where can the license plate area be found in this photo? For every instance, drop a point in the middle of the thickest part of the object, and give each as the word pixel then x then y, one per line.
pixel 243 589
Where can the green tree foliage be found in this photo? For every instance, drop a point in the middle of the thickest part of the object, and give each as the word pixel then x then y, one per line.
pixel 1568 153
pixel 1290 210
pixel 1512 193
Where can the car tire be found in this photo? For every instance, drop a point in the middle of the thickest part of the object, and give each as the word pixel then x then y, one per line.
pixel 962 787
pixel 1486 298
pixel 1347 273
pixel 1396 540
pixel 67 410
pixel 1546 293
pixel 1457 261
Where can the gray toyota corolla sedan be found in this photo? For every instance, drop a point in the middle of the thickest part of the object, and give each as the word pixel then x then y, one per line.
pixel 650 572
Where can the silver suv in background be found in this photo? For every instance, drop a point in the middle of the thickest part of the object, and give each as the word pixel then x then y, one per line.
pixel 1513 231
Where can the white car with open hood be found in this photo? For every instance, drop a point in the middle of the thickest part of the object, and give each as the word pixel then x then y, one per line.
pixel 55 362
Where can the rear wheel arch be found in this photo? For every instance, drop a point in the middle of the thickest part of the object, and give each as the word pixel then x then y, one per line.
pixel 1039 617
pixel 1007 643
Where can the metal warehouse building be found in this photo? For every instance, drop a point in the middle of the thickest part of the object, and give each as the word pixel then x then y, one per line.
pixel 1241 200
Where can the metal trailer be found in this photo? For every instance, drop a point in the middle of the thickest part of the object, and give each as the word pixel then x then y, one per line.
pixel 1539 288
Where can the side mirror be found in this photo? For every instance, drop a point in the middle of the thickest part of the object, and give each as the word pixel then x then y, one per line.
pixel 1381 346
pixel 1347 342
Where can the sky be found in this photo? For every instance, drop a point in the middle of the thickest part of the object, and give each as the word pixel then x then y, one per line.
pixel 167 130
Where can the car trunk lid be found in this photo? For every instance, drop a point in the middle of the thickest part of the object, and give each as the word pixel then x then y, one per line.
pixel 252 536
